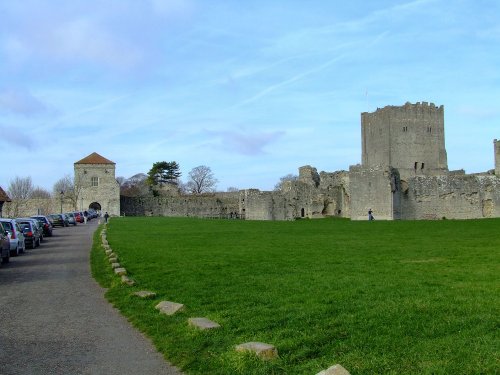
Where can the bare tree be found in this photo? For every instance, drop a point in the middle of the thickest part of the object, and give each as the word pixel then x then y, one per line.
pixel 20 188
pixel 70 190
pixel 201 180
pixel 121 180
pixel 135 186
pixel 288 177
pixel 40 193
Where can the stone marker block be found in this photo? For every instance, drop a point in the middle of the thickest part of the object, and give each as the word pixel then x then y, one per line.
pixel 334 370
pixel 145 294
pixel 113 260
pixel 203 323
pixel 262 350
pixel 120 271
pixel 105 242
pixel 112 255
pixel 106 247
pixel 115 265
pixel 108 251
pixel 128 281
pixel 169 308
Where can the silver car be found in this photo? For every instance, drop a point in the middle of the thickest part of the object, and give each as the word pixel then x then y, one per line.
pixel 15 234
pixel 4 245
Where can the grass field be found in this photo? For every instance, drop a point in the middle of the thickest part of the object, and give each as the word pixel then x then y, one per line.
pixel 403 297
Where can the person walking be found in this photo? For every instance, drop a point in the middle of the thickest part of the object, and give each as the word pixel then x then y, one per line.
pixel 85 215
pixel 370 214
pixel 106 216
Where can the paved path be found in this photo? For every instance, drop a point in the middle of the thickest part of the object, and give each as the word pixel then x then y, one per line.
pixel 54 318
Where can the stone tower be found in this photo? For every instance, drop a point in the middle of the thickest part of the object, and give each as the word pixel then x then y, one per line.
pixel 497 157
pixel 409 138
pixel 96 185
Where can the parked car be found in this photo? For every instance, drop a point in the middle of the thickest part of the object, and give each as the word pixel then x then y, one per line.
pixel 30 231
pixel 59 220
pixel 78 216
pixel 36 224
pixel 45 223
pixel 4 245
pixel 71 218
pixel 15 235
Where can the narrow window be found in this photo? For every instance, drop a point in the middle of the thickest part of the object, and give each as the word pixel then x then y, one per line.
pixel 302 212
pixel 415 166
pixel 95 181
pixel 422 166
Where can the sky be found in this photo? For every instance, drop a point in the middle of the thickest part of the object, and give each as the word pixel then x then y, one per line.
pixel 254 90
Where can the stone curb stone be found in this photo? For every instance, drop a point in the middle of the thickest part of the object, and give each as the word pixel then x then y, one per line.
pixel 115 265
pixel 334 370
pixel 108 251
pixel 261 349
pixel 203 323
pixel 120 271
pixel 128 281
pixel 111 255
pixel 169 308
pixel 106 247
pixel 145 294
pixel 113 260
pixel 105 242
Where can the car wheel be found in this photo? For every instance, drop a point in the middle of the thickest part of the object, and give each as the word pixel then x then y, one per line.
pixel 14 253
pixel 23 248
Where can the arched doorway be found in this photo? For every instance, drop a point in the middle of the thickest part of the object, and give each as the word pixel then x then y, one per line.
pixel 96 206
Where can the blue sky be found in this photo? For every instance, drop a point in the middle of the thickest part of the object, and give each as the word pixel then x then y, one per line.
pixel 252 89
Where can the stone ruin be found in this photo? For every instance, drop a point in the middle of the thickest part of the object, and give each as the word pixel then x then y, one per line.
pixel 403 175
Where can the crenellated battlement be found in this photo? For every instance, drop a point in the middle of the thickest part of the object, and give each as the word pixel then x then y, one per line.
pixel 418 107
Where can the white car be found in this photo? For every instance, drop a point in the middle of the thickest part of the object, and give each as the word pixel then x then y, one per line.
pixel 15 234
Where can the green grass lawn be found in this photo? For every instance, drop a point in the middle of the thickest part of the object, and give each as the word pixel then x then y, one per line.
pixel 401 297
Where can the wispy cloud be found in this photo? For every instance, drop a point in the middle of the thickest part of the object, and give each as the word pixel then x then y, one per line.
pixel 297 77
pixel 244 142
pixel 15 137
pixel 20 101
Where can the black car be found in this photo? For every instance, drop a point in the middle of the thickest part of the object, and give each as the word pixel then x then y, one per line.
pixel 45 223
pixel 58 220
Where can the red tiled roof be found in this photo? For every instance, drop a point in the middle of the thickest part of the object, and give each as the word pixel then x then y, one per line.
pixel 3 196
pixel 94 158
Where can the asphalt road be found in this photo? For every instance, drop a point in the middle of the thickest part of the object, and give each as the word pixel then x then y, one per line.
pixel 54 318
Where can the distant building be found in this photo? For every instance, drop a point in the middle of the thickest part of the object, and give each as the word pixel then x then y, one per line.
pixel 3 198
pixel 96 185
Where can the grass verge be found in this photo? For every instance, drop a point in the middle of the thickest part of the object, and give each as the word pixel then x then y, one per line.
pixel 378 297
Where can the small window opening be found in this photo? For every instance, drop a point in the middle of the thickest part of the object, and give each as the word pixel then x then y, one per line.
pixel 422 167
pixel 302 212
pixel 95 181
pixel 415 166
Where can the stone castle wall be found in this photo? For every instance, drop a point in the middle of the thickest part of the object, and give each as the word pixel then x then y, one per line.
pixel 374 188
pixel 30 207
pixel 496 144
pixel 218 205
pixel 452 197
